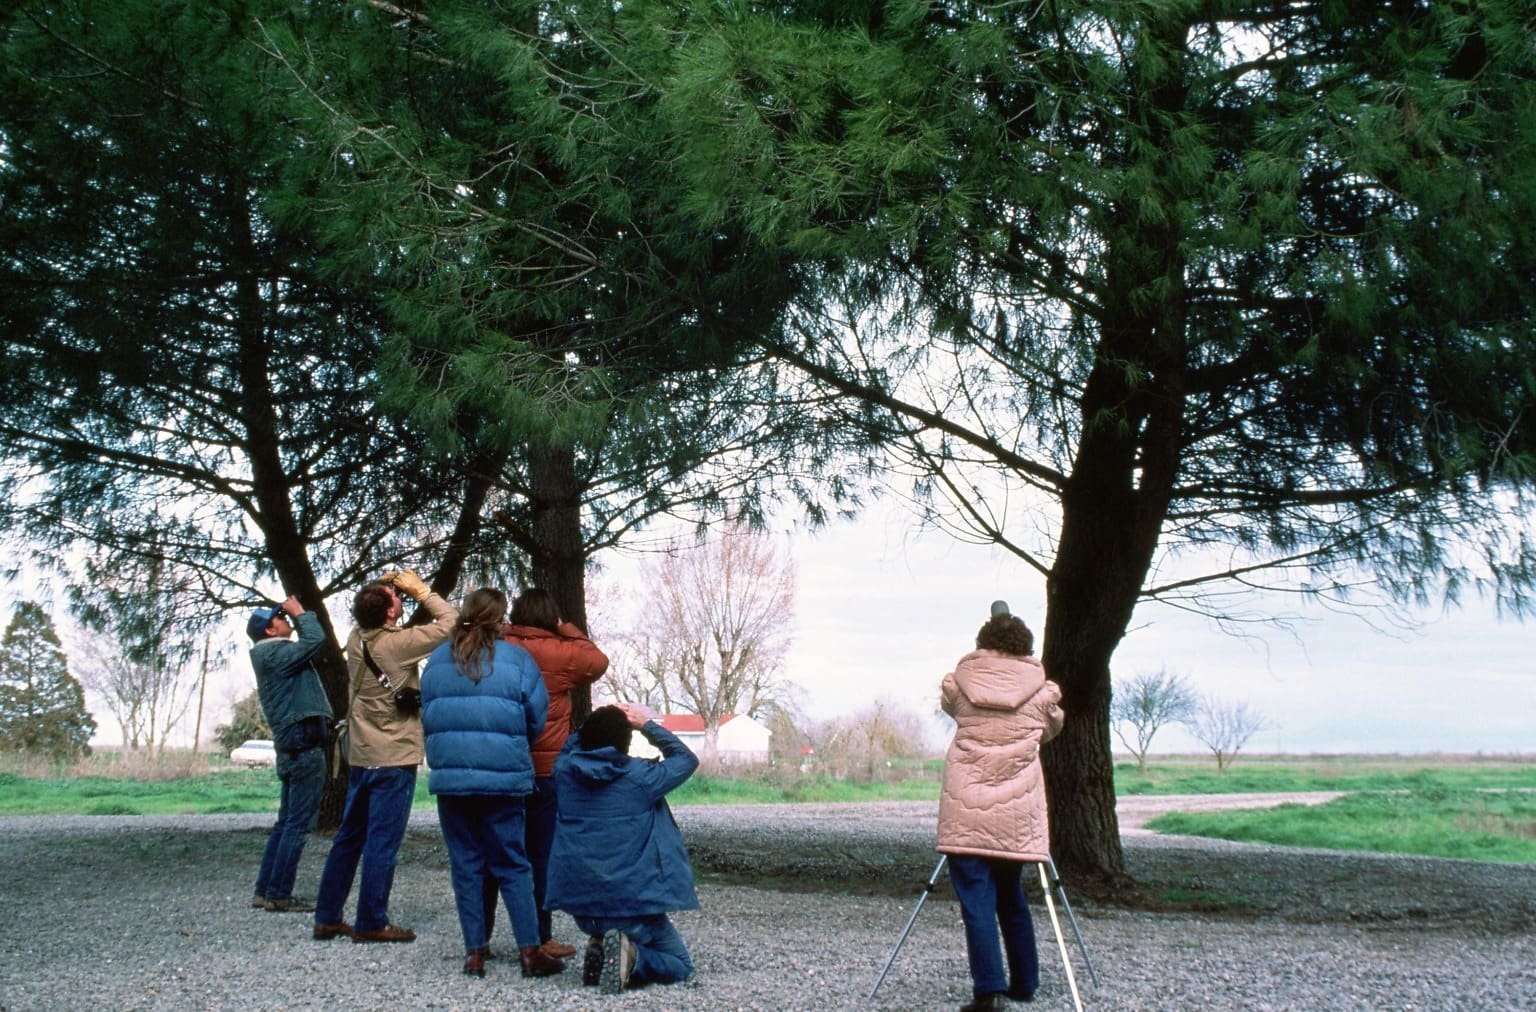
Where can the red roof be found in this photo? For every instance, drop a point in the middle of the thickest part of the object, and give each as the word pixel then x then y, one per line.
pixel 684 723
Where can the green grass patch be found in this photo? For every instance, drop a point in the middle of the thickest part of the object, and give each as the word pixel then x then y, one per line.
pixel 1477 825
pixel 253 791
pixel 1283 774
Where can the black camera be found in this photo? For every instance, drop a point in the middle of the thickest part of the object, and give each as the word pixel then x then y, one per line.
pixel 408 702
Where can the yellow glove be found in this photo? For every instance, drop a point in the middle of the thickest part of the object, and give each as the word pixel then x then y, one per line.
pixel 407 582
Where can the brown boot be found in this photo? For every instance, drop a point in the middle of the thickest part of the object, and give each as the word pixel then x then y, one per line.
pixel 474 962
pixel 538 963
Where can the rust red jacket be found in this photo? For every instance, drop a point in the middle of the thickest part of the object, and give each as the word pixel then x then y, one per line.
pixel 567 660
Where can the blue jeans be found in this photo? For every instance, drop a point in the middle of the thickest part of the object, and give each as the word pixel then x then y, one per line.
pixel 540 813
pixel 484 833
pixel 540 839
pixel 992 898
pixel 660 955
pixel 302 775
pixel 372 828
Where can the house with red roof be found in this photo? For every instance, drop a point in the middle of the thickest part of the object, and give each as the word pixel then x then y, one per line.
pixel 740 739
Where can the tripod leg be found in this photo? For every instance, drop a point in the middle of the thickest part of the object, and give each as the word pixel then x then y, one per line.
pixel 933 879
pixel 1061 942
pixel 1061 894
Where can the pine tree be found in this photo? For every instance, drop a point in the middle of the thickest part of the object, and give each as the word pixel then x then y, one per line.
pixel 42 707
pixel 1124 282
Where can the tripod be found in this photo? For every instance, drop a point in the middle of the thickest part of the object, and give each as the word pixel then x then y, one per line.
pixel 1050 885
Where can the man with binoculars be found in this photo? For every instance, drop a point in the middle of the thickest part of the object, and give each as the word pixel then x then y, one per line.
pixel 384 747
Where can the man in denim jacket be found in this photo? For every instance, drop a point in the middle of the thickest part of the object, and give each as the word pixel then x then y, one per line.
pixel 298 712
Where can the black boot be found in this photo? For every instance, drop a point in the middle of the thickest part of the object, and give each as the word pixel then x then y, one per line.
pixel 997 1001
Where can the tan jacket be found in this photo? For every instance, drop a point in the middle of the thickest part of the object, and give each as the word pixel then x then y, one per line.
pixel 378 735
pixel 993 799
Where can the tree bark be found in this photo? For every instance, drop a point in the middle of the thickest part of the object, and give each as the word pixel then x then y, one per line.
pixel 1123 476
pixel 270 482
pixel 558 556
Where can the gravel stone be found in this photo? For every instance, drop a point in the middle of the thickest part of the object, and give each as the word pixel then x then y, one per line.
pixel 152 913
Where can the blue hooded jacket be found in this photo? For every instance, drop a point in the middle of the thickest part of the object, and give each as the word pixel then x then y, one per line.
pixel 617 850
pixel 478 733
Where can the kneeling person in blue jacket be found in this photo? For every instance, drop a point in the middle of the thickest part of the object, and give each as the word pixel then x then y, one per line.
pixel 618 864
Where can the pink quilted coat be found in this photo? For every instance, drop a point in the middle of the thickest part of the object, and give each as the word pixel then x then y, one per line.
pixel 993 800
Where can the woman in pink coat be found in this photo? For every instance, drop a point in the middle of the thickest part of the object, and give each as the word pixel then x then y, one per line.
pixel 992 818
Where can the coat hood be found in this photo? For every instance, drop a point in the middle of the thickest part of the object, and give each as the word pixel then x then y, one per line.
pixel 598 765
pixel 998 681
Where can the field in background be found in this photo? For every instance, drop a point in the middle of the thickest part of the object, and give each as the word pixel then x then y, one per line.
pixel 1476 807
pixel 1278 774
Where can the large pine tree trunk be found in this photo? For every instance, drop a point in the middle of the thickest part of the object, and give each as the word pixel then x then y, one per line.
pixel 272 484
pixel 1087 609
pixel 558 554
pixel 1122 479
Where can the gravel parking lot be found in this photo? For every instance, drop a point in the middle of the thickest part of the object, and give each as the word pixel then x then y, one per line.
pixel 801 905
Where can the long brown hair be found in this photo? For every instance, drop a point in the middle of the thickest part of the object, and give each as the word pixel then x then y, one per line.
pixel 476 631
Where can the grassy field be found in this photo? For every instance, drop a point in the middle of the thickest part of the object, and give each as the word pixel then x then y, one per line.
pixel 1476 807
pixel 1473 824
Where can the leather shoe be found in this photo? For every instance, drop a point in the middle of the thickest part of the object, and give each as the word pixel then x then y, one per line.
pixel 388 933
pixel 538 963
pixel 997 1001
pixel 326 932
pixel 558 949
pixel 259 902
pixel 474 963
pixel 1019 994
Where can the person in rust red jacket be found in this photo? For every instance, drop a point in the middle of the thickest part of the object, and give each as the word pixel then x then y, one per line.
pixel 567 660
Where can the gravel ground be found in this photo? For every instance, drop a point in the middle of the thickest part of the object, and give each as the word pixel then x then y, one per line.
pixel 152 913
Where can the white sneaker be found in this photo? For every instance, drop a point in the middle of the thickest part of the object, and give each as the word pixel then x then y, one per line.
pixel 618 962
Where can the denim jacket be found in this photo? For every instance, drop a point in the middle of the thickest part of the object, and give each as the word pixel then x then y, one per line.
pixel 289 688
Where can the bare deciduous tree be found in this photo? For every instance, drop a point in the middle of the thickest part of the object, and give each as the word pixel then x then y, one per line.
pixel 1147 702
pixel 148 696
pixel 860 745
pixel 1225 728
pixel 714 635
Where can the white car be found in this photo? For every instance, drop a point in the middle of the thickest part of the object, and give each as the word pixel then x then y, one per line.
pixel 253 753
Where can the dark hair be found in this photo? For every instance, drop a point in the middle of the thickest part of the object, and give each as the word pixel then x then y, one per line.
pixel 1007 634
pixel 370 608
pixel 536 607
pixel 476 631
pixel 606 725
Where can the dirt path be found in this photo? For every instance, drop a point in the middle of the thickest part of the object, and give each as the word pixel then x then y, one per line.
pixel 1136 810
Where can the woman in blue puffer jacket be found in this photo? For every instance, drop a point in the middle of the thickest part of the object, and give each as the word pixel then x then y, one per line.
pixel 482 702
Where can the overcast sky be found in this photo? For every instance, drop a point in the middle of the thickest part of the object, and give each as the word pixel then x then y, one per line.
pixel 882 613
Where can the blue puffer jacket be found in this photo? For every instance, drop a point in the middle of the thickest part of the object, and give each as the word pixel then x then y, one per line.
pixel 617 851
pixel 478 732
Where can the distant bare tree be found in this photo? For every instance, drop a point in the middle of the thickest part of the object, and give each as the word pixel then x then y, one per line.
pixel 862 744
pixel 142 633
pixel 715 633
pixel 1225 728
pixel 1146 703
pixel 146 697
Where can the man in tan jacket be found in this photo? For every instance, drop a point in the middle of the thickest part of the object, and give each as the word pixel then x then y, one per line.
pixel 384 748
